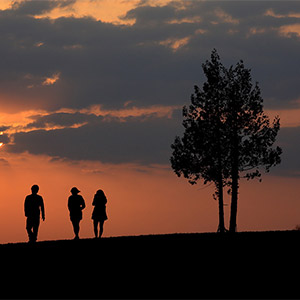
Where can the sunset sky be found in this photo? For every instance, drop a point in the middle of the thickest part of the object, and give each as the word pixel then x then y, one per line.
pixel 91 94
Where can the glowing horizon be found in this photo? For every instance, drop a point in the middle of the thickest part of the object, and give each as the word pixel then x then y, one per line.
pixel 138 199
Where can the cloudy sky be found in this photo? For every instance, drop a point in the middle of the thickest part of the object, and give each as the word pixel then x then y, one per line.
pixel 91 92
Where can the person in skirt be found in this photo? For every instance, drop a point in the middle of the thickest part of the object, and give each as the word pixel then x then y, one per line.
pixel 99 213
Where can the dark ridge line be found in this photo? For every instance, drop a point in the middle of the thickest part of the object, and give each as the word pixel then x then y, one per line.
pixel 162 236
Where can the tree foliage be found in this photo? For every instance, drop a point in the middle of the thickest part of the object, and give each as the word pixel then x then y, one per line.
pixel 199 153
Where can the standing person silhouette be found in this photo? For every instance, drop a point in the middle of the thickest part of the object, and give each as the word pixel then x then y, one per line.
pixel 99 213
pixel 75 205
pixel 33 205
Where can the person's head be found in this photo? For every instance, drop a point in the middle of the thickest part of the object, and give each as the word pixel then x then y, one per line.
pixel 34 189
pixel 100 193
pixel 74 191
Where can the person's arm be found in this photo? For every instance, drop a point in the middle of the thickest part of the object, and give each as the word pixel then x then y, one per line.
pixel 82 206
pixel 26 207
pixel 42 209
pixel 69 204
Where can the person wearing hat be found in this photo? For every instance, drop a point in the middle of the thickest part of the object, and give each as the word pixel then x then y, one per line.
pixel 75 205
pixel 99 213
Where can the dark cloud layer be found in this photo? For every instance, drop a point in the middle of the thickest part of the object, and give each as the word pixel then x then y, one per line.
pixel 136 140
pixel 32 8
pixel 59 119
pixel 143 140
pixel 78 62
pixel 103 63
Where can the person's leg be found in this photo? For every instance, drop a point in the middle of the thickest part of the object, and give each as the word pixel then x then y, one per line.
pixel 96 228
pixel 101 228
pixel 36 224
pixel 76 228
pixel 29 229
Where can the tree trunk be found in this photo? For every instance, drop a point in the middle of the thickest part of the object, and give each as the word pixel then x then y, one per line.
pixel 221 227
pixel 234 199
pixel 235 183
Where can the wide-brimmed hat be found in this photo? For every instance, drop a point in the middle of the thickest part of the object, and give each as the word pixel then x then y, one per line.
pixel 75 190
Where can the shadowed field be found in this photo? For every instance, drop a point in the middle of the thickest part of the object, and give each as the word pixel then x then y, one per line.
pixel 206 265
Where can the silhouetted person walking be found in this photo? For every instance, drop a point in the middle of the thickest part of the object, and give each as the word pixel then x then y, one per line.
pixel 99 213
pixel 76 204
pixel 33 205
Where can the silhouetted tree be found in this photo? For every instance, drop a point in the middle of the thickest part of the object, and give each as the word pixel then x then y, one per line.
pixel 227 135
pixel 249 133
pixel 202 152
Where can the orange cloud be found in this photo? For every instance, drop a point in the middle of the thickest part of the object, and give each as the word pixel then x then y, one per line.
pixel 5 4
pixel 17 122
pixel 192 20
pixel 109 11
pixel 226 18
pixel 175 43
pixel 256 30
pixel 157 110
pixel 52 79
pixel 287 30
pixel 271 13
pixel 105 10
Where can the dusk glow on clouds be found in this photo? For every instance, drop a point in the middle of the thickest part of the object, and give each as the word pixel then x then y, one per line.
pixel 91 94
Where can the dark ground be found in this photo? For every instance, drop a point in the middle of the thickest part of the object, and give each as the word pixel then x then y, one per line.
pixel 207 265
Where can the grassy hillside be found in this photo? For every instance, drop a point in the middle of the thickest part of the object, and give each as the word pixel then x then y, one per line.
pixel 207 265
